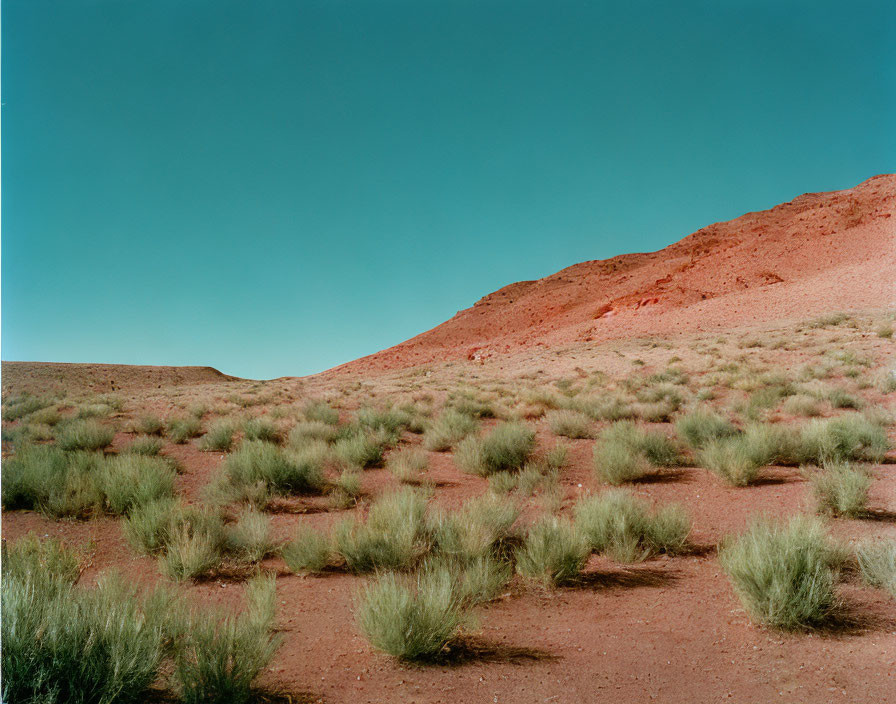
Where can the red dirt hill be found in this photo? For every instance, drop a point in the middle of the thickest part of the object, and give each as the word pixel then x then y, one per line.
pixel 819 253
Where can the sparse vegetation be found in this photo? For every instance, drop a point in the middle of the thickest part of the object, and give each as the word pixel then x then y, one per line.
pixel 449 429
pixel 841 489
pixel 506 448
pixel 877 563
pixel 410 618
pixel 307 551
pixel 570 424
pixel 624 527
pixel 783 573
pixel 83 435
pixel 553 553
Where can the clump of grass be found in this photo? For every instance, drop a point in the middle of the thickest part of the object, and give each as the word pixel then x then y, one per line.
pixel 553 553
pixel 148 424
pixel 506 448
pixel 410 618
pixel 449 429
pixel 62 643
pixel 885 331
pixel 802 405
pixel 84 435
pixel 408 465
pixel 393 537
pixel 848 437
pixel 54 482
pixel 249 539
pixel 257 462
pixel 624 527
pixel 261 429
pixel 322 412
pixel 570 424
pixel 346 490
pixel 182 429
pixel 46 416
pixel 219 437
pixel 783 573
pixel 735 459
pixel 360 449
pixel 222 657
pixel 307 551
pixel 476 530
pixel 877 563
pixel 701 426
pixel 22 406
pixel 132 480
pixel 626 452
pixel 145 445
pixel 191 550
pixel 841 488
pixel 311 431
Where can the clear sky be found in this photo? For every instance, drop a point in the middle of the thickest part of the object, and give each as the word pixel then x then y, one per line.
pixel 275 187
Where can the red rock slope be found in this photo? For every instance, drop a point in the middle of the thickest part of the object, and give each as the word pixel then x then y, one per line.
pixel 820 252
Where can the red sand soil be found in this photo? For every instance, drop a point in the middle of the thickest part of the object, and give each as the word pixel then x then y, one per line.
pixel 820 252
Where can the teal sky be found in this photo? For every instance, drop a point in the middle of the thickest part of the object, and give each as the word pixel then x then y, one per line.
pixel 276 187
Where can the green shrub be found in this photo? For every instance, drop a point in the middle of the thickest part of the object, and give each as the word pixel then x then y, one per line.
pixel 149 425
pixel 346 490
pixel 307 551
pixel 391 421
pixel 476 529
pixel 256 461
pixel 311 431
pixel 182 429
pixel 84 435
pixel 65 644
pixel 18 408
pixel 56 483
pixel 393 537
pixel 46 416
pixel 616 463
pixel 261 429
pixel 191 550
pixel 482 579
pixel 360 449
pixel 145 445
pixel 626 452
pixel 841 489
pixel 506 448
pixel 623 526
pixel 877 563
pixel 408 465
pixel 132 480
pixel 410 619
pixel 222 657
pixel 701 426
pixel 321 411
pixel 733 459
pixel 249 539
pixel 219 437
pixel 847 437
pixel 553 553
pixel 147 527
pixel 571 424
pixel 449 429
pixel 802 405
pixel 782 572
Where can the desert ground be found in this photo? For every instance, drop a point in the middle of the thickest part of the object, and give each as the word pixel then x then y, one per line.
pixel 746 373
